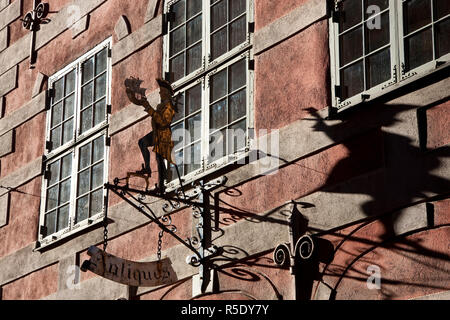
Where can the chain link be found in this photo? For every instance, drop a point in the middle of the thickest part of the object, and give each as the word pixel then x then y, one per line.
pixel 160 235
pixel 105 232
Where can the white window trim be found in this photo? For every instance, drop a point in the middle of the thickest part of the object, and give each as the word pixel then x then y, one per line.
pixel 202 75
pixel 399 77
pixel 73 147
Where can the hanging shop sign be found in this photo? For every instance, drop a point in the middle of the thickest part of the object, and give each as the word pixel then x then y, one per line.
pixel 136 274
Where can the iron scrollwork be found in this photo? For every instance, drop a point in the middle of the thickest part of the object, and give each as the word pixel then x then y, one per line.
pixel 303 251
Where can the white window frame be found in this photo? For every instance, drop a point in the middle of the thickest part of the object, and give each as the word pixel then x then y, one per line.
pixel 399 77
pixel 79 140
pixel 202 76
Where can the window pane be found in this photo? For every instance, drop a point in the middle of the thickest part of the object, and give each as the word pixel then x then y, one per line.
pixel 50 222
pixel 66 166
pixel 100 87
pixel 84 181
pixel 238 75
pixel 416 14
pixel 97 175
pixel 219 43
pixel 193 126
pixel 180 105
pixel 99 112
pixel 193 7
pixel 88 70
pixel 352 79
pixel 86 119
pixel 55 137
pixel 418 49
pixel 376 38
pixel 237 7
pixel 442 38
pixel 67 131
pixel 351 14
pixel 382 4
pixel 82 209
pixel 69 107
pixel 378 68
pixel 218 15
pixel 194 58
pixel 57 114
pixel 351 45
pixel 96 202
pixel 179 161
pixel 85 156
pixel 218 115
pixel 218 85
pixel 237 136
pixel 54 173
pixel 237 32
pixel 52 198
pixel 99 149
pixel 177 40
pixel 179 10
pixel 178 135
pixel 193 31
pixel 64 195
pixel 238 105
pixel 441 8
pixel 177 67
pixel 63 218
pixel 194 99
pixel 217 145
pixel 193 156
pixel 86 93
pixel 100 65
pixel 70 82
pixel 59 89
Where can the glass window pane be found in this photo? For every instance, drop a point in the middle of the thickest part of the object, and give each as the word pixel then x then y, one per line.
pixel 442 38
pixel 55 137
pixel 177 40
pixel 179 10
pixel 52 198
pixel 193 99
pixel 70 82
pixel 381 4
pixel 86 119
pixel 218 85
pixel 218 15
pixel 57 114
pixel 238 75
pixel 193 31
pixel 378 68
pixel 50 222
pixel 238 31
pixel 180 105
pixel 63 218
pixel 100 87
pixel 99 149
pixel 218 115
pixel 351 14
pixel 84 181
pixel 192 158
pixel 88 70
pixel 86 93
pixel 194 58
pixel 100 65
pixel 352 79
pixel 351 46
pixel 85 156
pixel 416 14
pixel 67 131
pixel 219 43
pixel 217 145
pixel 237 134
pixel 418 49
pixel 69 107
pixel 96 202
pixel 441 8
pixel 178 135
pixel 66 166
pixel 59 89
pixel 194 127
pixel 64 192
pixel 237 7
pixel 177 67
pixel 179 161
pixel 376 38
pixel 193 7
pixel 54 172
pixel 82 209
pixel 99 112
pixel 237 105
pixel 97 175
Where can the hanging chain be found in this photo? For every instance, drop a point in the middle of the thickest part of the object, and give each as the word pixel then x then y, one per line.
pixel 105 232
pixel 160 235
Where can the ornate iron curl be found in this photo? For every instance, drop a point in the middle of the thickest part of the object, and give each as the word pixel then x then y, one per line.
pixel 281 255
pixel 303 251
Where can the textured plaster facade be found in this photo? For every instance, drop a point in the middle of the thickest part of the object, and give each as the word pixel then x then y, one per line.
pixel 370 185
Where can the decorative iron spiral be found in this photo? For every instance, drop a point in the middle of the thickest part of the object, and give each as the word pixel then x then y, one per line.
pixel 281 255
pixel 304 248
